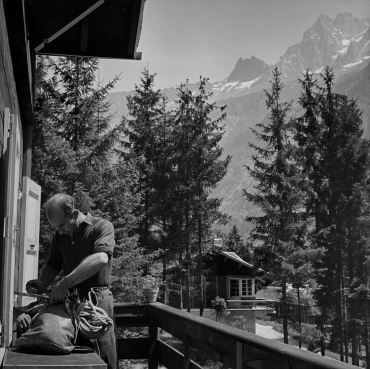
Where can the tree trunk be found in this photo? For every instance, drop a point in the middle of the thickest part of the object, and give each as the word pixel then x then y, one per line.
pixel 188 256
pixel 285 311
pixel 341 319
pixel 164 273
pixel 201 297
pixel 146 217
pixel 299 319
pixel 353 313
pixel 367 348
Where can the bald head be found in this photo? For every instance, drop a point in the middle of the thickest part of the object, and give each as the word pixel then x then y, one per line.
pixel 62 214
pixel 62 202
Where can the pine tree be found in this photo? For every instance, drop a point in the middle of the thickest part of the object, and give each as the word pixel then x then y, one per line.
pixel 74 148
pixel 234 240
pixel 148 130
pixel 344 167
pixel 308 132
pixel 278 192
pixel 334 157
pixel 199 169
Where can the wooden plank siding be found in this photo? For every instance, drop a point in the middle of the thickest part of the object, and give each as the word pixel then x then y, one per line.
pixel 8 92
pixel 8 99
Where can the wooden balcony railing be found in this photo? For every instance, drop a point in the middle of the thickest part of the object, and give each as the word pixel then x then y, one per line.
pixel 235 348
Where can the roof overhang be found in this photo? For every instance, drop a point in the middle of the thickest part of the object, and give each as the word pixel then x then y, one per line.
pixel 234 257
pixel 86 28
pixel 79 28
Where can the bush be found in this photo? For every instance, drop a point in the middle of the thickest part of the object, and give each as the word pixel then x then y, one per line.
pixel 240 323
pixel 309 334
pixel 311 346
pixel 219 306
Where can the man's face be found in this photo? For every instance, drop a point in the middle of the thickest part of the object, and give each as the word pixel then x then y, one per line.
pixel 65 224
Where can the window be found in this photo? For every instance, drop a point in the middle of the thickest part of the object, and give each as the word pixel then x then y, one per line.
pixel 241 287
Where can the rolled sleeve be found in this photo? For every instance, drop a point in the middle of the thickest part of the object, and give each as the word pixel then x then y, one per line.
pixel 104 238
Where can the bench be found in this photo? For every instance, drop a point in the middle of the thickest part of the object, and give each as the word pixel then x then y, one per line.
pixel 18 360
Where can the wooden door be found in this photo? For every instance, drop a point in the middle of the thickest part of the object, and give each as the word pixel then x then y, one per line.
pixel 29 251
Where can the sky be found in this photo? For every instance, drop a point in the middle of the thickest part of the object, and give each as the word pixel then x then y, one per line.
pixel 186 39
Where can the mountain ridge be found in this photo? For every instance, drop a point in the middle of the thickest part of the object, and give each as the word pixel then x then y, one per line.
pixel 344 42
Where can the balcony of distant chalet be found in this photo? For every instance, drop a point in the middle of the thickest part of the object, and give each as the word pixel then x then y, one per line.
pixel 235 348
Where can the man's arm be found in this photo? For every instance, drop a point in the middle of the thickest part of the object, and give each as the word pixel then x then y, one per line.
pixel 47 276
pixel 88 267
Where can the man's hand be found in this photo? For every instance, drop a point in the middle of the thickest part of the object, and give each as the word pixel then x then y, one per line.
pixel 23 322
pixel 60 292
pixel 35 286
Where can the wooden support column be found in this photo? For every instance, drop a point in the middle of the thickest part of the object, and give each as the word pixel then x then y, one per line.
pixel 187 353
pixel 84 34
pixel 239 355
pixel 27 150
pixel 153 340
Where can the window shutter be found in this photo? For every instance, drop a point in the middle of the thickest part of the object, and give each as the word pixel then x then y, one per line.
pixel 31 200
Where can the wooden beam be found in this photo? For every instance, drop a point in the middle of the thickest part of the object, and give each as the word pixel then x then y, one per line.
pixel 122 308
pixel 138 55
pixel 172 358
pixel 84 34
pixel 239 355
pixel 187 352
pixel 131 321
pixel 135 29
pixel 153 348
pixel 20 360
pixel 2 353
pixel 22 57
pixel 27 150
pixel 69 25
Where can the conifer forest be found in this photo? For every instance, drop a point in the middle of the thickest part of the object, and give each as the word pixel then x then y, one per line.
pixel 153 176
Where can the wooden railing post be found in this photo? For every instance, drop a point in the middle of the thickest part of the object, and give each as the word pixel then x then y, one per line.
pixel 239 355
pixel 187 353
pixel 153 338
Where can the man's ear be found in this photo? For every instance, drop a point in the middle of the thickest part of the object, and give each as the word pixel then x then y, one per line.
pixel 75 214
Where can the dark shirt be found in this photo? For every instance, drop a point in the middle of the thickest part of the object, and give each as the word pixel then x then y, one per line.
pixel 67 251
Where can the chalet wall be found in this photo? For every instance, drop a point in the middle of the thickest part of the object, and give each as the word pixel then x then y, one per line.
pixel 8 99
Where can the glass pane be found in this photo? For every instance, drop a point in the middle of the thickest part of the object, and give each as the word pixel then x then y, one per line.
pixel 250 287
pixel 234 287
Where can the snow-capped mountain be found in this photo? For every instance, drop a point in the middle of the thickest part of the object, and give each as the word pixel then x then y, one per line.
pixel 341 43
pixel 247 73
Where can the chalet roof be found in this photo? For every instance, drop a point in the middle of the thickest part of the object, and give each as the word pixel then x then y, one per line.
pixel 229 255
pixel 238 259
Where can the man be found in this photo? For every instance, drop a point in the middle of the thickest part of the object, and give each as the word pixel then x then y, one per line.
pixel 82 247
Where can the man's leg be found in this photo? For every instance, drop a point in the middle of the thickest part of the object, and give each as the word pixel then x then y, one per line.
pixel 107 343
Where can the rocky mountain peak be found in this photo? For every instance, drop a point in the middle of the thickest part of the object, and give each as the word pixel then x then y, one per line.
pixel 349 25
pixel 248 69
pixel 338 44
pixel 321 28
